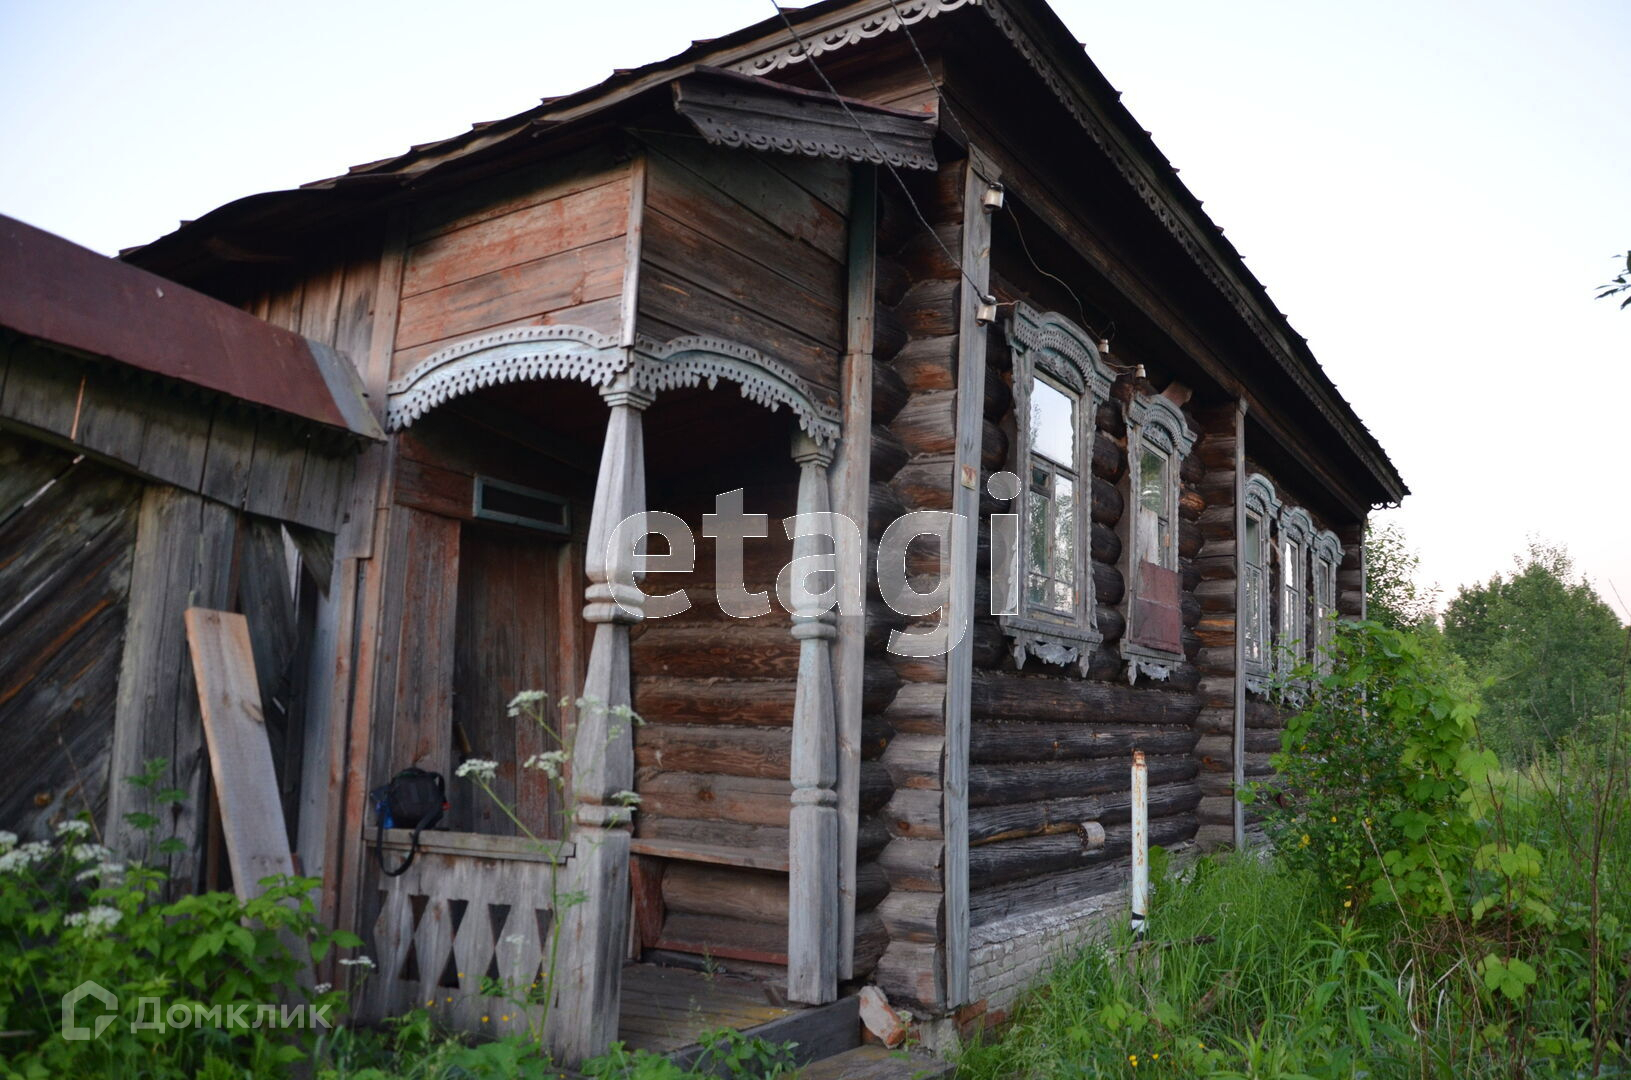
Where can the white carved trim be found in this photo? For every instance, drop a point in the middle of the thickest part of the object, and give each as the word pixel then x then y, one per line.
pixel 1328 547
pixel 871 25
pixel 524 354
pixel 1296 525
pixel 719 133
pixel 1064 349
pixel 531 353
pixel 689 361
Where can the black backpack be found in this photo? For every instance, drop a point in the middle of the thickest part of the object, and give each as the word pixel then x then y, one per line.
pixel 414 799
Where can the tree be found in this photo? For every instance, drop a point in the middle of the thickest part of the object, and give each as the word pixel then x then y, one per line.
pixel 1547 647
pixel 1621 283
pixel 1392 596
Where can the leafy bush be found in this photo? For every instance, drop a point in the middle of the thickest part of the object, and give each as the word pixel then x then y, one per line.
pixel 70 913
pixel 1371 793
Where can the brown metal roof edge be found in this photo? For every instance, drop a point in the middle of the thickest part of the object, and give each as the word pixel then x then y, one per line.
pixel 57 292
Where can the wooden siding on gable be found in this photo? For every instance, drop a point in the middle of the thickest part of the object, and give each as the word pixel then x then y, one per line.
pixel 534 247
pixel 747 247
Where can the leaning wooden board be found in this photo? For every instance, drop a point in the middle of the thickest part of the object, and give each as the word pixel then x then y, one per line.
pixel 240 754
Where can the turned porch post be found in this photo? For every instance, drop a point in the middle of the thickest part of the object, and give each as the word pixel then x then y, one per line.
pixel 812 920
pixel 595 930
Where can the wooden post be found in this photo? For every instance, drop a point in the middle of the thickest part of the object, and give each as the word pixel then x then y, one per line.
pixel 852 488
pixel 981 175
pixel 812 918
pixel 595 929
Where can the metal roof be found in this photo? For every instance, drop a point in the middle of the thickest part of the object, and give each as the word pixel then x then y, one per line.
pixel 68 296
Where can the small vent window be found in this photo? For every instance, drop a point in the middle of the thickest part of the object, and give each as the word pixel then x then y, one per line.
pixel 497 500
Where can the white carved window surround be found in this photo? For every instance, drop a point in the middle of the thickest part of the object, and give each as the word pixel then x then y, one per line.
pixel 1296 533
pixel 1262 508
pixel 1158 440
pixel 1060 381
pixel 1327 557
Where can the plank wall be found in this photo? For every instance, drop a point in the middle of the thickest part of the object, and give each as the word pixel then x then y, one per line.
pixel 748 247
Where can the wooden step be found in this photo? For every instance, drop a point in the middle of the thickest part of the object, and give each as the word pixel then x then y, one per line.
pixel 876 1063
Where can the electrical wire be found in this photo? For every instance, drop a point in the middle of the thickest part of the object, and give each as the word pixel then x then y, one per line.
pixel 809 57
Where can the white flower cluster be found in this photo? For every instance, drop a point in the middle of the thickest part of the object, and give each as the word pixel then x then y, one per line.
pixel 527 698
pixel 96 919
pixel 73 827
pixel 478 769
pixel 550 763
pixel 625 798
pixel 8 840
pixel 364 962
pixel 18 858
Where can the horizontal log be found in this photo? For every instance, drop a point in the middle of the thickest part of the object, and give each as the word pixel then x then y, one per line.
pixel 924 484
pixel 1192 470
pixel 871 939
pixel 667 700
pixel 1190 505
pixel 990 865
pixel 1012 696
pixel 650 825
pixel 914 813
pixel 918 708
pixel 910 974
pixel 913 916
pixel 914 761
pixel 996 742
pixel 875 786
pixel 742 650
pixel 1108 586
pixel 994 785
pixel 889 334
pixel 1165 800
pixel 1109 458
pixel 1104 545
pixel 749 895
pixel 929 308
pixel 889 393
pixel 924 251
pixel 888 455
pixel 927 364
pixel 1106 502
pixel 1216 596
pixel 989 824
pixel 871 886
pixel 1217 452
pixel 724 938
pixel 890 280
pixel 914 865
pixel 1189 539
pixel 875 736
pixel 716 797
pixel 733 751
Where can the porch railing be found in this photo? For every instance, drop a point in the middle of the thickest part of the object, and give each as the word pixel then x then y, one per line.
pixel 465 932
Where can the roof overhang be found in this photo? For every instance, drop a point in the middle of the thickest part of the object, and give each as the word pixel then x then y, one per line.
pixel 70 297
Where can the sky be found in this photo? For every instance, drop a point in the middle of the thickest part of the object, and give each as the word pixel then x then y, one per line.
pixel 1430 190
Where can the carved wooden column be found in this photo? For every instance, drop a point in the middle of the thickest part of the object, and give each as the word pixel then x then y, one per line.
pixel 812 918
pixel 595 930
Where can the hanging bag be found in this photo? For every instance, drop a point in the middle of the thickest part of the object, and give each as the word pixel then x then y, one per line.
pixel 414 799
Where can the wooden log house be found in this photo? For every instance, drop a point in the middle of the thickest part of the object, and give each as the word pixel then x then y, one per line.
pixel 878 257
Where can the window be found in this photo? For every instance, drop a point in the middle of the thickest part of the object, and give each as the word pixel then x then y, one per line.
pixel 1262 506
pixel 1158 439
pixel 1327 557
pixel 1296 530
pixel 1059 383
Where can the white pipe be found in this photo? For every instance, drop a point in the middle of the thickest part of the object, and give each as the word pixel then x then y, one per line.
pixel 1141 843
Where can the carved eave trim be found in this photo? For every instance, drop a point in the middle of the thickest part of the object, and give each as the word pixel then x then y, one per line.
pixel 533 353
pixel 690 361
pixel 733 110
pixel 871 25
pixel 524 354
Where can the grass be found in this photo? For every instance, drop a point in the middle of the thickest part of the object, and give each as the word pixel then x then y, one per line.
pixel 1250 971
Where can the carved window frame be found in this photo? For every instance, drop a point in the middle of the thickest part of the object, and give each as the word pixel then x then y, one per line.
pixel 1327 557
pixel 1154 422
pixel 1295 546
pixel 1050 347
pixel 1262 505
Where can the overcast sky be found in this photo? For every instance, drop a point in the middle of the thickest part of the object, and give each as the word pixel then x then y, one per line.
pixel 1429 190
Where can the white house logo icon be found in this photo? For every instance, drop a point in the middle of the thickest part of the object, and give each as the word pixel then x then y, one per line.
pixel 75 1032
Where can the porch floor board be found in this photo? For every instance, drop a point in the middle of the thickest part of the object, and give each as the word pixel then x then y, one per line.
pixel 665 1008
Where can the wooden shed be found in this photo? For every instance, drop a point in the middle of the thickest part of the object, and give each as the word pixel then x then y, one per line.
pixel 883 258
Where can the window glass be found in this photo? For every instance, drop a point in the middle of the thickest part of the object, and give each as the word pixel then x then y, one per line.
pixel 1153 514
pixel 1051 582
pixel 1053 423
